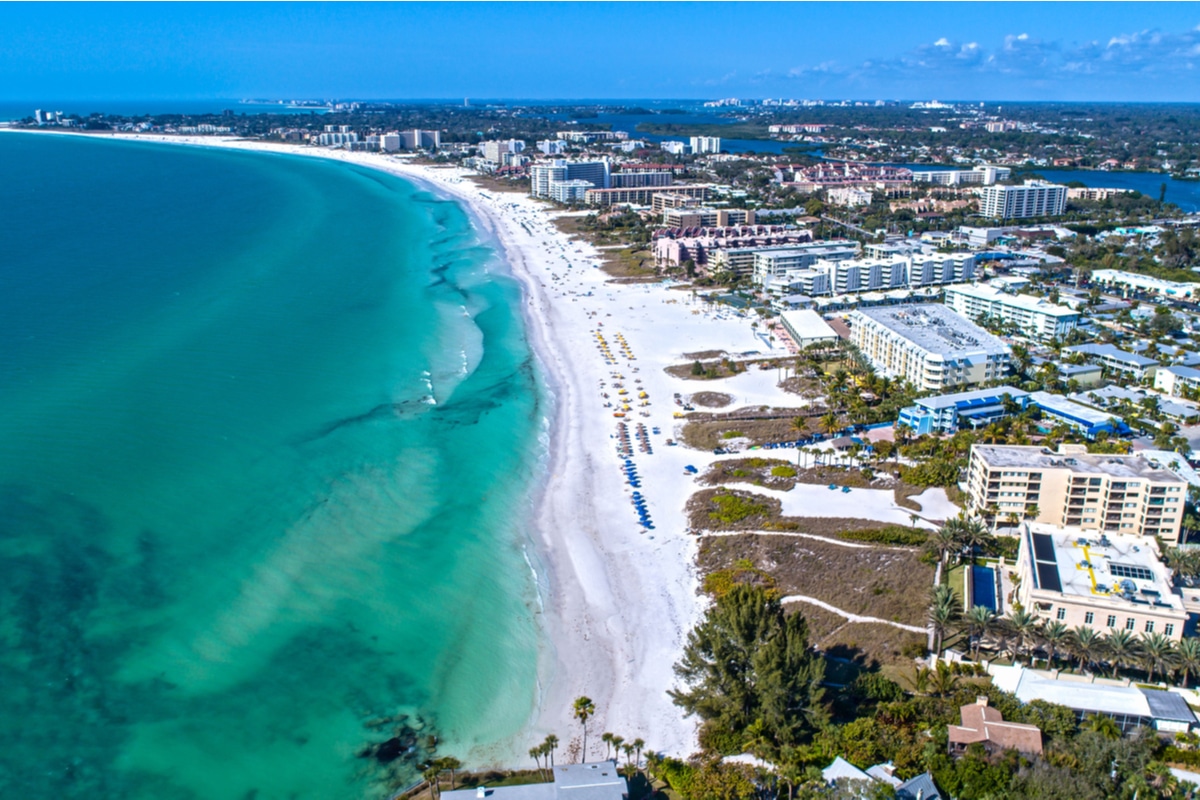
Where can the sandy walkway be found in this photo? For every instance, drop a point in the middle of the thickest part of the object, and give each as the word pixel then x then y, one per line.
pixel 800 598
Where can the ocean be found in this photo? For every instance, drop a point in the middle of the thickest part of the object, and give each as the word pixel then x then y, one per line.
pixel 270 427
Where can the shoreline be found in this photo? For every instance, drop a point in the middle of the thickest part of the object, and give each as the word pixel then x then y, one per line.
pixel 618 601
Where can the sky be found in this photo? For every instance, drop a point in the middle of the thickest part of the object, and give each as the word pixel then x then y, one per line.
pixel 944 50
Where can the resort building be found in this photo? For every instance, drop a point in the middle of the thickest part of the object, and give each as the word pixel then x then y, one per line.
pixel 771 262
pixel 929 345
pixel 977 176
pixel 1131 707
pixel 946 413
pixel 589 781
pixel 574 191
pixel 1034 199
pixel 843 273
pixel 807 327
pixel 640 180
pixel 1115 360
pixel 1036 317
pixel 542 175
pixel 1144 283
pixel 705 144
pixel 1085 419
pixel 1094 193
pixel 706 217
pixel 1070 487
pixel 1108 582
pixel 984 725
pixel 1173 380
pixel 645 195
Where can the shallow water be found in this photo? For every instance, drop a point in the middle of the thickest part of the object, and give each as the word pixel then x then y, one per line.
pixel 268 429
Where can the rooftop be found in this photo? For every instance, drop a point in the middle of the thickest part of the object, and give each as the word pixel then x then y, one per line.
pixel 591 781
pixel 982 723
pixel 1057 404
pixel 1034 457
pixel 935 328
pixel 1110 567
pixel 807 324
pixel 1111 351
pixel 1019 300
pixel 1028 686
pixel 971 398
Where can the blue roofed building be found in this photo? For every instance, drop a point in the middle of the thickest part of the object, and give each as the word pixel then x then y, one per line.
pixel 947 413
pixel 1086 420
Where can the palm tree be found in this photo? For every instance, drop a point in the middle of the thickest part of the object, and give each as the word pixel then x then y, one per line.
pixel 627 749
pixel 974 535
pixel 1086 645
pixel 1023 625
pixel 1158 653
pixel 943 681
pixel 943 611
pixel 551 744
pixel 617 741
pixel 582 709
pixel 536 754
pixel 1121 648
pixel 454 765
pixel 980 620
pixel 830 423
pixel 1187 657
pixel 914 518
pixel 944 541
pixel 1054 635
pixel 607 738
pixel 431 777
pixel 638 744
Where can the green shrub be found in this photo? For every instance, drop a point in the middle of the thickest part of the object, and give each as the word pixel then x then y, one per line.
pixel 889 534
pixel 731 434
pixel 783 472
pixel 732 508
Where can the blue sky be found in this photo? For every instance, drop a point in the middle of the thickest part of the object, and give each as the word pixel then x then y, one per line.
pixel 987 51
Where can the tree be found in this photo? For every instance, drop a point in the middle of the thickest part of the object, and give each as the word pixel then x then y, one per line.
pixel 974 534
pixel 551 744
pixel 1086 645
pixel 748 661
pixel 638 744
pixel 454 765
pixel 943 611
pixel 536 754
pixel 1023 625
pixel 1187 657
pixel 582 709
pixel 1157 653
pixel 1054 634
pixel 617 741
pixel 1121 649
pixel 830 423
pixel 607 738
pixel 980 621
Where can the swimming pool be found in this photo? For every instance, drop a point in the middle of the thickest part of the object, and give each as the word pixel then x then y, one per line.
pixel 983 587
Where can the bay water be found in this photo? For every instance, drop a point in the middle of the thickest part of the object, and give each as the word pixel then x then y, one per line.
pixel 268 428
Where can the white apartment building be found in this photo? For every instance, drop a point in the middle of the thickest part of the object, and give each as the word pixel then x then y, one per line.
pixel 569 191
pixel 552 147
pixel 771 262
pixel 848 275
pixel 976 176
pixel 1034 199
pixel 1036 317
pixel 705 144
pixel 1144 283
pixel 929 345
pixel 849 196
pixel 1070 487
pixel 675 148
pixel 542 175
pixel 1173 380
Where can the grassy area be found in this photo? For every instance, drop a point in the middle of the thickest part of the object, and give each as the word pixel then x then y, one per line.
pixel 703 431
pixel 768 472
pixel 711 399
pixel 956 580
pixel 520 186
pixel 887 583
pixel 630 264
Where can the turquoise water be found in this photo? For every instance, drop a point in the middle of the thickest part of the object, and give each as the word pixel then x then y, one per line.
pixel 268 429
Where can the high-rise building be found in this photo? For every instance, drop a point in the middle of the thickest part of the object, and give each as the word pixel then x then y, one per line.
pixel 542 175
pixel 1071 487
pixel 929 345
pixel 705 144
pixel 1034 199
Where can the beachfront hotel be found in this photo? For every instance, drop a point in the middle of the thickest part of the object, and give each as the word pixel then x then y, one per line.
pixel 929 345
pixel 1106 582
pixel 1073 488
pixel 1035 316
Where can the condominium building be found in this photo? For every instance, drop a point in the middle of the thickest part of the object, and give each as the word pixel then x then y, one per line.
pixel 674 148
pixel 1071 487
pixel 976 176
pixel 645 195
pixel 772 262
pixel 417 139
pixel 1173 380
pixel 1035 316
pixel 1115 360
pixel 946 413
pixel 1034 199
pixel 705 144
pixel 1145 283
pixel 336 139
pixel 495 151
pixel 566 192
pixel 1094 193
pixel 1107 582
pixel 542 175
pixel 706 217
pixel 640 180
pixel 929 345
pixel 553 147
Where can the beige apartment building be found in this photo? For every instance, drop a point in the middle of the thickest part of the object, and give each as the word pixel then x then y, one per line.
pixel 1107 582
pixel 1072 488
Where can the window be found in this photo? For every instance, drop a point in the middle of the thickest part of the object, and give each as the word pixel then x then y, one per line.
pixel 1129 622
pixel 1149 626
pixel 1061 615
pixel 1169 629
pixel 1112 620
pixel 1089 618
